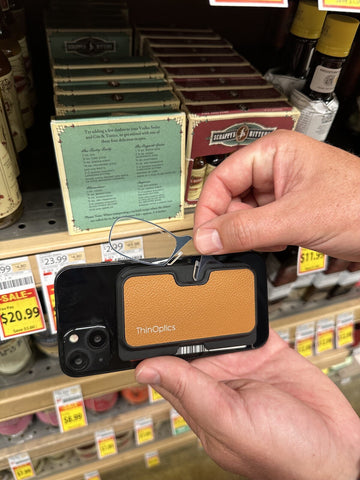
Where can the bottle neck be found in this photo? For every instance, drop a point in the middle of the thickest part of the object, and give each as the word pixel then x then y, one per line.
pixel 297 56
pixel 323 76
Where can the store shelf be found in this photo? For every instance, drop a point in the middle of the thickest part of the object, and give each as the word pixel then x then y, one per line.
pixel 42 228
pixel 126 458
pixel 49 441
pixel 331 358
pixel 316 312
pixel 37 395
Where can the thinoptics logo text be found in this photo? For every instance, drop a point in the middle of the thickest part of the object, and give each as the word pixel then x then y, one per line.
pixel 155 329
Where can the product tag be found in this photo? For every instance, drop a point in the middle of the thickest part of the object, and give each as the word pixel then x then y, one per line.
pixel 49 264
pixel 132 247
pixel 316 116
pixel 247 3
pixel 336 6
pixel 152 459
pixel 304 339
pixel 92 475
pixel 105 442
pixel 177 422
pixel 344 329
pixel 70 408
pixel 310 261
pixel 144 430
pixel 325 335
pixel 21 466
pixel 154 396
pixel 20 309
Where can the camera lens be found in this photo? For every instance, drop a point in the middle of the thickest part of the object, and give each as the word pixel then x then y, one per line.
pixel 97 338
pixel 78 361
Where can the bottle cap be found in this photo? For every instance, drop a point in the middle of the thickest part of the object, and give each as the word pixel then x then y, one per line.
pixel 308 20
pixel 337 35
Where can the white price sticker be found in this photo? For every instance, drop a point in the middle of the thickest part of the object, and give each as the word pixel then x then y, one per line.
pixel 325 335
pixel 131 247
pixel 105 441
pixel 49 264
pixel 152 459
pixel 21 466
pixel 92 475
pixel 178 423
pixel 144 430
pixel 20 309
pixel 154 396
pixel 344 329
pixel 70 408
pixel 304 339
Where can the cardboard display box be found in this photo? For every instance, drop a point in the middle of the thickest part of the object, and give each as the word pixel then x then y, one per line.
pixel 222 83
pixel 104 62
pixel 234 95
pixel 106 74
pixel 176 72
pixel 111 167
pixel 116 101
pixel 92 88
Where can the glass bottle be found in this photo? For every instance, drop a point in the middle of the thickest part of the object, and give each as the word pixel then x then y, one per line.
pixel 330 55
pixel 18 11
pixel 11 104
pixel 197 177
pixel 212 161
pixel 19 33
pixel 304 34
pixel 12 50
pixel 10 197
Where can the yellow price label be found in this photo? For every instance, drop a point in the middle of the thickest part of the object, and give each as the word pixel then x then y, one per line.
pixel 345 335
pixel 20 313
pixel 154 395
pixel 145 434
pixel 179 425
pixel 107 446
pixel 341 5
pixel 325 341
pixel 152 460
pixel 305 347
pixel 72 416
pixel 310 261
pixel 24 471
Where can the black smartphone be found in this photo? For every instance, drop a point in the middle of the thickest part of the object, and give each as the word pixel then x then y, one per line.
pixel 110 316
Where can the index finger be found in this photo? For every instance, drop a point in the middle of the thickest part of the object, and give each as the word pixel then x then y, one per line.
pixel 250 167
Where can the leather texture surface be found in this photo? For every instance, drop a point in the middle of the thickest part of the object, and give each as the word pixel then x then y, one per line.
pixel 158 310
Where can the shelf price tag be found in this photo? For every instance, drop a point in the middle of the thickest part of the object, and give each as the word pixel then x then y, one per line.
pixel 284 334
pixel 152 459
pixel 132 247
pixel 304 339
pixel 177 422
pixel 344 329
pixel 20 309
pixel 70 408
pixel 49 264
pixel 247 3
pixel 339 6
pixel 325 335
pixel 21 466
pixel 310 261
pixel 144 430
pixel 154 396
pixel 105 441
pixel 92 475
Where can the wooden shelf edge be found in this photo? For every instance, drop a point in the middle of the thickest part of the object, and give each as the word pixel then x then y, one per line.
pixel 63 240
pixel 57 442
pixel 328 359
pixel 126 458
pixel 37 396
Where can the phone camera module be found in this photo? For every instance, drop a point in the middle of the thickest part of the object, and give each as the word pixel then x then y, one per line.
pixel 78 361
pixel 98 338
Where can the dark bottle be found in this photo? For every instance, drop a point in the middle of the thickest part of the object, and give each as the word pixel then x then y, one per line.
pixel 304 34
pixel 212 161
pixel 197 177
pixel 330 55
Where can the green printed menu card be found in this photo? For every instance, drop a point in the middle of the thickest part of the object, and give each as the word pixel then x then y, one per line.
pixel 120 166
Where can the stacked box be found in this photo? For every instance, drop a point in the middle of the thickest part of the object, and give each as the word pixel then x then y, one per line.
pixel 227 102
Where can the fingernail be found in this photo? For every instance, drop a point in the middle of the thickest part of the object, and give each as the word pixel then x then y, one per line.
pixel 208 240
pixel 147 376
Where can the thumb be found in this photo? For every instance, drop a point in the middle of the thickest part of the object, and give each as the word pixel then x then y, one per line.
pixel 184 386
pixel 266 227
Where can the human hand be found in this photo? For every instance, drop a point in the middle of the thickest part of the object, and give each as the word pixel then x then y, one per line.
pixel 307 194
pixel 268 413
